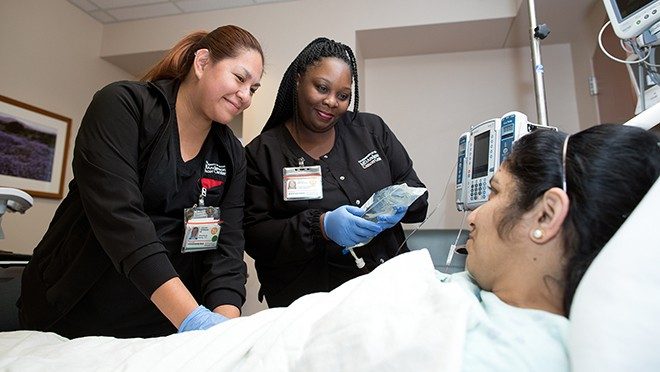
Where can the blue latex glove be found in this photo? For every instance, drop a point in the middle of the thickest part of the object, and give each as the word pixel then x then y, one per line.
pixel 201 318
pixel 346 227
pixel 389 220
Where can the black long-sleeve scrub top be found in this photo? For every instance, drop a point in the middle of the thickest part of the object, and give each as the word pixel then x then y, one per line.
pixel 117 235
pixel 291 256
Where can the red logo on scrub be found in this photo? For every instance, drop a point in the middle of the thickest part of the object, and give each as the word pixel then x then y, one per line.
pixel 209 183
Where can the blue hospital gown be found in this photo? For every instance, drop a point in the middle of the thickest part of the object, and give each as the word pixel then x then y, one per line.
pixel 501 337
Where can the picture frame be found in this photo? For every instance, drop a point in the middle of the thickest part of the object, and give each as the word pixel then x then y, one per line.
pixel 35 145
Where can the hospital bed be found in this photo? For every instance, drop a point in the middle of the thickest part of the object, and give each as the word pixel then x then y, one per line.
pixel 361 326
pixel 437 241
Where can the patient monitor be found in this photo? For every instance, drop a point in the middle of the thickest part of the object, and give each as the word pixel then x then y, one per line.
pixel 631 18
pixel 480 152
pixel 637 24
pixel 13 200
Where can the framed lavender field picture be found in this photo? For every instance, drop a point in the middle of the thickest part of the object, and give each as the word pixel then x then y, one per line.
pixel 33 148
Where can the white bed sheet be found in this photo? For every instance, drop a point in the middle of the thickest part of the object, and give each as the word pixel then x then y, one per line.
pixel 398 318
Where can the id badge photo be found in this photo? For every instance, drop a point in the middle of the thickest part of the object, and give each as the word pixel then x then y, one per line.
pixel 302 183
pixel 202 229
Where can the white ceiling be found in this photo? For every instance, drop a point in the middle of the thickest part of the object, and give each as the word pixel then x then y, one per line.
pixel 563 16
pixel 112 11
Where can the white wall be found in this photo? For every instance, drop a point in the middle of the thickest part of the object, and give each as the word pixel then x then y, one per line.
pixel 429 100
pixel 50 59
pixel 285 28
pixel 583 48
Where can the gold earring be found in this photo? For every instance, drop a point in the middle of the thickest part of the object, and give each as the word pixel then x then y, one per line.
pixel 537 234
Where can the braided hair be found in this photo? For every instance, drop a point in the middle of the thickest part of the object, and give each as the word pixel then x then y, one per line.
pixel 286 103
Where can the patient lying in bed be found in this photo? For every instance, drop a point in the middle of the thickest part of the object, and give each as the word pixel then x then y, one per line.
pixel 553 206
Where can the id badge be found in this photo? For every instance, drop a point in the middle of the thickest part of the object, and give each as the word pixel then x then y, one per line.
pixel 302 183
pixel 202 229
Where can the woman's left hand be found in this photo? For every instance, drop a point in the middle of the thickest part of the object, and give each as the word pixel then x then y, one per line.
pixel 389 220
pixel 201 318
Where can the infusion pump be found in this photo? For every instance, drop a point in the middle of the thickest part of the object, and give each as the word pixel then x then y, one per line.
pixel 480 152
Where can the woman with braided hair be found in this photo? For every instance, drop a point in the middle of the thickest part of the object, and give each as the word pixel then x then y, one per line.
pixel 338 159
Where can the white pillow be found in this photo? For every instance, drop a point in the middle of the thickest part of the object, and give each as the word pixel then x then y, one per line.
pixel 615 316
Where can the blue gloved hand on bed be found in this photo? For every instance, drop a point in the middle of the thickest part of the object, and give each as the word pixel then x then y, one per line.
pixel 201 318
pixel 346 227
pixel 388 220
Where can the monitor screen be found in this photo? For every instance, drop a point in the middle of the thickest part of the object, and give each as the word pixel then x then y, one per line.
pixel 628 7
pixel 480 155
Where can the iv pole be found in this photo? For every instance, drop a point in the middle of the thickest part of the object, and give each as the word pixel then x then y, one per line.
pixel 536 33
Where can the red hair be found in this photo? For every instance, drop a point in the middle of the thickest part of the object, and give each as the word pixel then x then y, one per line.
pixel 223 42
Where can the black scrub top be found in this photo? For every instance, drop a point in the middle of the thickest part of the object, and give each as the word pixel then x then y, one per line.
pixel 114 304
pixel 117 235
pixel 291 256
